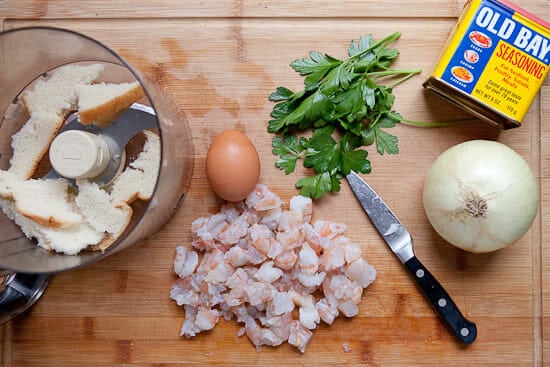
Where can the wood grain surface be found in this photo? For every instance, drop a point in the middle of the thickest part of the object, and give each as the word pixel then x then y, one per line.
pixel 220 60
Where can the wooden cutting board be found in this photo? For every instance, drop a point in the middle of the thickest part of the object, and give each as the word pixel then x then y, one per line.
pixel 221 60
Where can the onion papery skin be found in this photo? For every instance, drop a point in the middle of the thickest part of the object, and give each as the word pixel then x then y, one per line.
pixel 480 196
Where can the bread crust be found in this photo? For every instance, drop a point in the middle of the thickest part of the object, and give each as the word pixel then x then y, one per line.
pixel 49 221
pixel 105 113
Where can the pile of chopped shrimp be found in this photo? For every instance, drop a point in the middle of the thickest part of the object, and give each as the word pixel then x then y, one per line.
pixel 271 269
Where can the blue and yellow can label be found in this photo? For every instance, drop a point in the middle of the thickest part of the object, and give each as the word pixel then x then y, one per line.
pixel 499 55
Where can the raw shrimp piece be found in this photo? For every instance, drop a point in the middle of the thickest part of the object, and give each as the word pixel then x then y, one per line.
pixel 312 237
pixel 329 230
pixel 275 248
pixel 328 311
pixel 259 293
pixel 279 325
pixel 219 274
pixel 280 304
pixel 236 256
pixel 215 225
pixel 206 240
pixel 254 256
pixel 361 272
pixel 262 336
pixel 309 317
pixel 198 224
pixel 253 331
pixel 299 336
pixel 285 283
pixel 250 270
pixel 332 258
pixel 260 237
pixel 270 338
pixel 185 261
pixel 271 218
pixel 232 233
pixel 241 313
pixel 232 210
pixel 205 231
pixel 262 199
pixel 254 216
pixel 219 269
pixel 290 239
pixel 342 288
pixel 227 313
pixel 308 261
pixel 286 260
pixel 309 280
pixel 289 220
pixel 238 279
pixel 206 318
pixel 235 297
pixel 189 328
pixel 352 251
pixel 302 205
pixel 346 347
pixel 267 273
pixel 348 308
pixel 215 293
pixel 183 295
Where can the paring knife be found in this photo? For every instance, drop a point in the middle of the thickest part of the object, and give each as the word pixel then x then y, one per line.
pixel 401 243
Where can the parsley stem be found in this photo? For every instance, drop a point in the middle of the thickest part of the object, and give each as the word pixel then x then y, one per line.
pixel 391 72
pixel 435 123
pixel 399 81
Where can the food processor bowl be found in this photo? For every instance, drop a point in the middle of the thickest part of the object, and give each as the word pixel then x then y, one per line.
pixel 28 54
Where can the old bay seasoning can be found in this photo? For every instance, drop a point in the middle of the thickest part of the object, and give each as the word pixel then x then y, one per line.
pixel 494 62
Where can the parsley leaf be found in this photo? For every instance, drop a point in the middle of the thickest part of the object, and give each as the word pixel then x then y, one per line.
pixel 300 114
pixel 281 94
pixel 323 151
pixel 353 159
pixel 316 186
pixel 289 149
pixel 386 142
pixel 316 67
pixel 345 106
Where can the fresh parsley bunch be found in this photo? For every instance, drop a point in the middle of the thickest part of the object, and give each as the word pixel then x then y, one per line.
pixel 346 107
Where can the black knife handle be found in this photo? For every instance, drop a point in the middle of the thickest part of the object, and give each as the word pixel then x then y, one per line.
pixel 463 329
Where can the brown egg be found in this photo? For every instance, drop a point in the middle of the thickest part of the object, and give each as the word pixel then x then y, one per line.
pixel 232 165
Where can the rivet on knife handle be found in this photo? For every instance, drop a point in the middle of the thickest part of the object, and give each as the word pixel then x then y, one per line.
pixel 462 328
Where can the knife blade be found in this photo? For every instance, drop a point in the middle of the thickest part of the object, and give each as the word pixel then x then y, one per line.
pixel 400 242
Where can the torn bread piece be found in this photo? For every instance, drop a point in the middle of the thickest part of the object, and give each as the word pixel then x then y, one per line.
pixel 127 185
pixel 99 210
pixel 47 103
pixel 57 94
pixel 27 225
pixel 46 202
pixel 100 104
pixel 72 240
pixel 139 179
pixel 32 142
pixel 69 241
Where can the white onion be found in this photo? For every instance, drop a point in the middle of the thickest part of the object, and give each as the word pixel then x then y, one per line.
pixel 480 196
